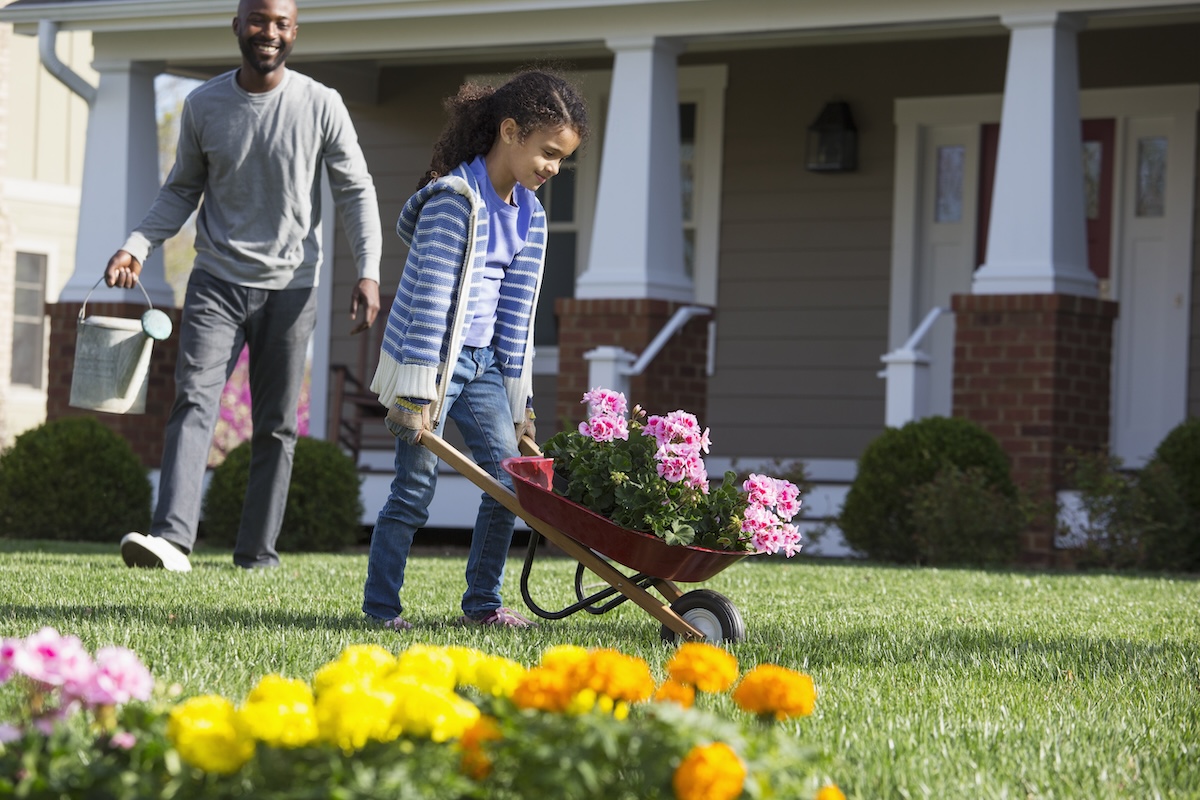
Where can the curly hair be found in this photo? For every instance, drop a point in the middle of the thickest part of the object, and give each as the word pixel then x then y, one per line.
pixel 534 98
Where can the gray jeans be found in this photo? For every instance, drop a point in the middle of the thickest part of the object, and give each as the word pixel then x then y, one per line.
pixel 218 319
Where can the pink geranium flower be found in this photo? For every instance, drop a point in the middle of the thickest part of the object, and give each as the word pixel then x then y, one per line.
pixel 50 658
pixel 118 678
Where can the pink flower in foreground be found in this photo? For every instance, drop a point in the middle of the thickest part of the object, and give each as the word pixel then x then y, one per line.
pixel 123 740
pixel 119 677
pixel 55 660
pixel 9 733
pixel 8 650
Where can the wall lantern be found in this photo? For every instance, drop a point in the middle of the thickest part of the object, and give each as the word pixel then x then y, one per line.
pixel 832 140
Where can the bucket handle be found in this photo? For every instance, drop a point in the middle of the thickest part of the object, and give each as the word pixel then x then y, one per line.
pixel 83 308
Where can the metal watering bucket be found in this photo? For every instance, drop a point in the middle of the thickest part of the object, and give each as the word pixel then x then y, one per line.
pixel 112 358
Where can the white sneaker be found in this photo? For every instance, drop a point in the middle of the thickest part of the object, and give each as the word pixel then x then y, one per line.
pixel 155 552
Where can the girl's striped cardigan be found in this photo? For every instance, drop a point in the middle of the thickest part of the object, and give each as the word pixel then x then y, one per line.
pixel 445 225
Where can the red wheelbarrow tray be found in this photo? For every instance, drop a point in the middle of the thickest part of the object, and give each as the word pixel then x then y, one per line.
pixel 533 479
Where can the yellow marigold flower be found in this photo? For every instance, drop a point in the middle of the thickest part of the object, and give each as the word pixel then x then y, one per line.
pixel 584 701
pixel 563 657
pixel 465 661
pixel 351 714
pixel 769 689
pixel 616 675
pixel 432 712
pixel 281 712
pixel 543 689
pixel 429 664
pixel 674 692
pixel 704 666
pixel 208 735
pixel 358 663
pixel 830 792
pixel 709 772
pixel 497 676
pixel 475 763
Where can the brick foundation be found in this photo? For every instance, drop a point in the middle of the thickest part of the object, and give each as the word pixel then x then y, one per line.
pixel 1035 371
pixel 675 379
pixel 144 432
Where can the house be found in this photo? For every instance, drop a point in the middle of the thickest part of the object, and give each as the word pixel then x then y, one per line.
pixel 1026 165
pixel 43 125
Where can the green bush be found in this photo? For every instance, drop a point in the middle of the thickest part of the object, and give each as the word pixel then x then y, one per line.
pixel 877 516
pixel 1133 519
pixel 960 519
pixel 1180 452
pixel 72 479
pixel 323 508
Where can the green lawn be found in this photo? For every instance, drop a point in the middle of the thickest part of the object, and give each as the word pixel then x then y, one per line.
pixel 931 683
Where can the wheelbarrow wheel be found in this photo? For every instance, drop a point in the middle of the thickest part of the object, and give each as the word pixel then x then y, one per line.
pixel 709 612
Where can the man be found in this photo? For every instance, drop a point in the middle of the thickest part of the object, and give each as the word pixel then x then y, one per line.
pixel 252 143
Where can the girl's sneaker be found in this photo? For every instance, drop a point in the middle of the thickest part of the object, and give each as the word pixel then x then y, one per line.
pixel 504 617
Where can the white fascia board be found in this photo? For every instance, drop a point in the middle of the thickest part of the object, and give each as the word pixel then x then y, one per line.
pixel 604 18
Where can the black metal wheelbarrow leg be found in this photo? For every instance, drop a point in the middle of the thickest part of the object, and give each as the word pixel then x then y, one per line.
pixel 614 577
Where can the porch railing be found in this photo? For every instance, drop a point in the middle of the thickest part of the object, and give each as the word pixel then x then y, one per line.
pixel 613 367
pixel 907 375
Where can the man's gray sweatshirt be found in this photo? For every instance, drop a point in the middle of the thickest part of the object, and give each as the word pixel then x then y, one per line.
pixel 256 160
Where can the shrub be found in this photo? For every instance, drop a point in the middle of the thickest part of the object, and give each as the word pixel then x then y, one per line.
pixel 960 519
pixel 1180 452
pixel 1132 518
pixel 877 516
pixel 323 509
pixel 72 479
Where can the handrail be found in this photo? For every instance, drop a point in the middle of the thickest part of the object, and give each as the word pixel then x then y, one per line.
pixel 681 317
pixel 923 328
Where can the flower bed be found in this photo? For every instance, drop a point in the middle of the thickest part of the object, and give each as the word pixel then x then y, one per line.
pixel 428 722
pixel 647 473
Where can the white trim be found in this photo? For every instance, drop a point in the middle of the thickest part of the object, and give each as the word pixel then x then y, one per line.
pixel 55 194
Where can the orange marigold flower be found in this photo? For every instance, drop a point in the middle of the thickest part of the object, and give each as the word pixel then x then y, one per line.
pixel 475 763
pixel 709 772
pixel 675 692
pixel 613 674
pixel 705 666
pixel 830 792
pixel 769 689
pixel 543 689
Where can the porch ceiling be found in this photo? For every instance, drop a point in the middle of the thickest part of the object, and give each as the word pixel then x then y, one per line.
pixel 196 32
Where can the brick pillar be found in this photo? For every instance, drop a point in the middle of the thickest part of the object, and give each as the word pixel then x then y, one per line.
pixel 144 432
pixel 675 379
pixel 1035 371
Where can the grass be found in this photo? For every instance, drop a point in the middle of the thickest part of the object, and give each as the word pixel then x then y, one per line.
pixel 932 683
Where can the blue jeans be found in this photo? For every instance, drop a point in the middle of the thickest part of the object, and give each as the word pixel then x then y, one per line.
pixel 478 403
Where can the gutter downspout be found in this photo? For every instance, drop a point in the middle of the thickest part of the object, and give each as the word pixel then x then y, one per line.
pixel 47 41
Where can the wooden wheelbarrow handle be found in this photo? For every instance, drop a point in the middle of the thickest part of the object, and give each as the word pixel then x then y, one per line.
pixel 507 498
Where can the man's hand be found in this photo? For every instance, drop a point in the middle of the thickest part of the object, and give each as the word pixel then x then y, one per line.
pixel 123 271
pixel 366 297
pixel 407 420
pixel 527 426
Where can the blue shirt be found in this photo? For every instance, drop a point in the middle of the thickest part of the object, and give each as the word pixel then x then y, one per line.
pixel 508 227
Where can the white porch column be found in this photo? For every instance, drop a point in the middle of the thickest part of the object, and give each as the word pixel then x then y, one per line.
pixel 1037 238
pixel 120 180
pixel 637 238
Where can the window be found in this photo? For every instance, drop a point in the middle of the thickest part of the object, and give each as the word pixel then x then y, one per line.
pixel 558 198
pixel 29 320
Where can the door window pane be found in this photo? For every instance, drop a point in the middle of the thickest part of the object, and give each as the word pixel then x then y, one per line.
pixel 949 183
pixel 1093 157
pixel 1152 176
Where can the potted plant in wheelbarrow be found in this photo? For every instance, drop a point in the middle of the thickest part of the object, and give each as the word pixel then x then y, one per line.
pixel 634 488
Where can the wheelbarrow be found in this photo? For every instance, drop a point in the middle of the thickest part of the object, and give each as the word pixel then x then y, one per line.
pixel 596 543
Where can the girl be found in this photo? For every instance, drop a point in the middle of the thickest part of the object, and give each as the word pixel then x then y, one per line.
pixel 459 339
